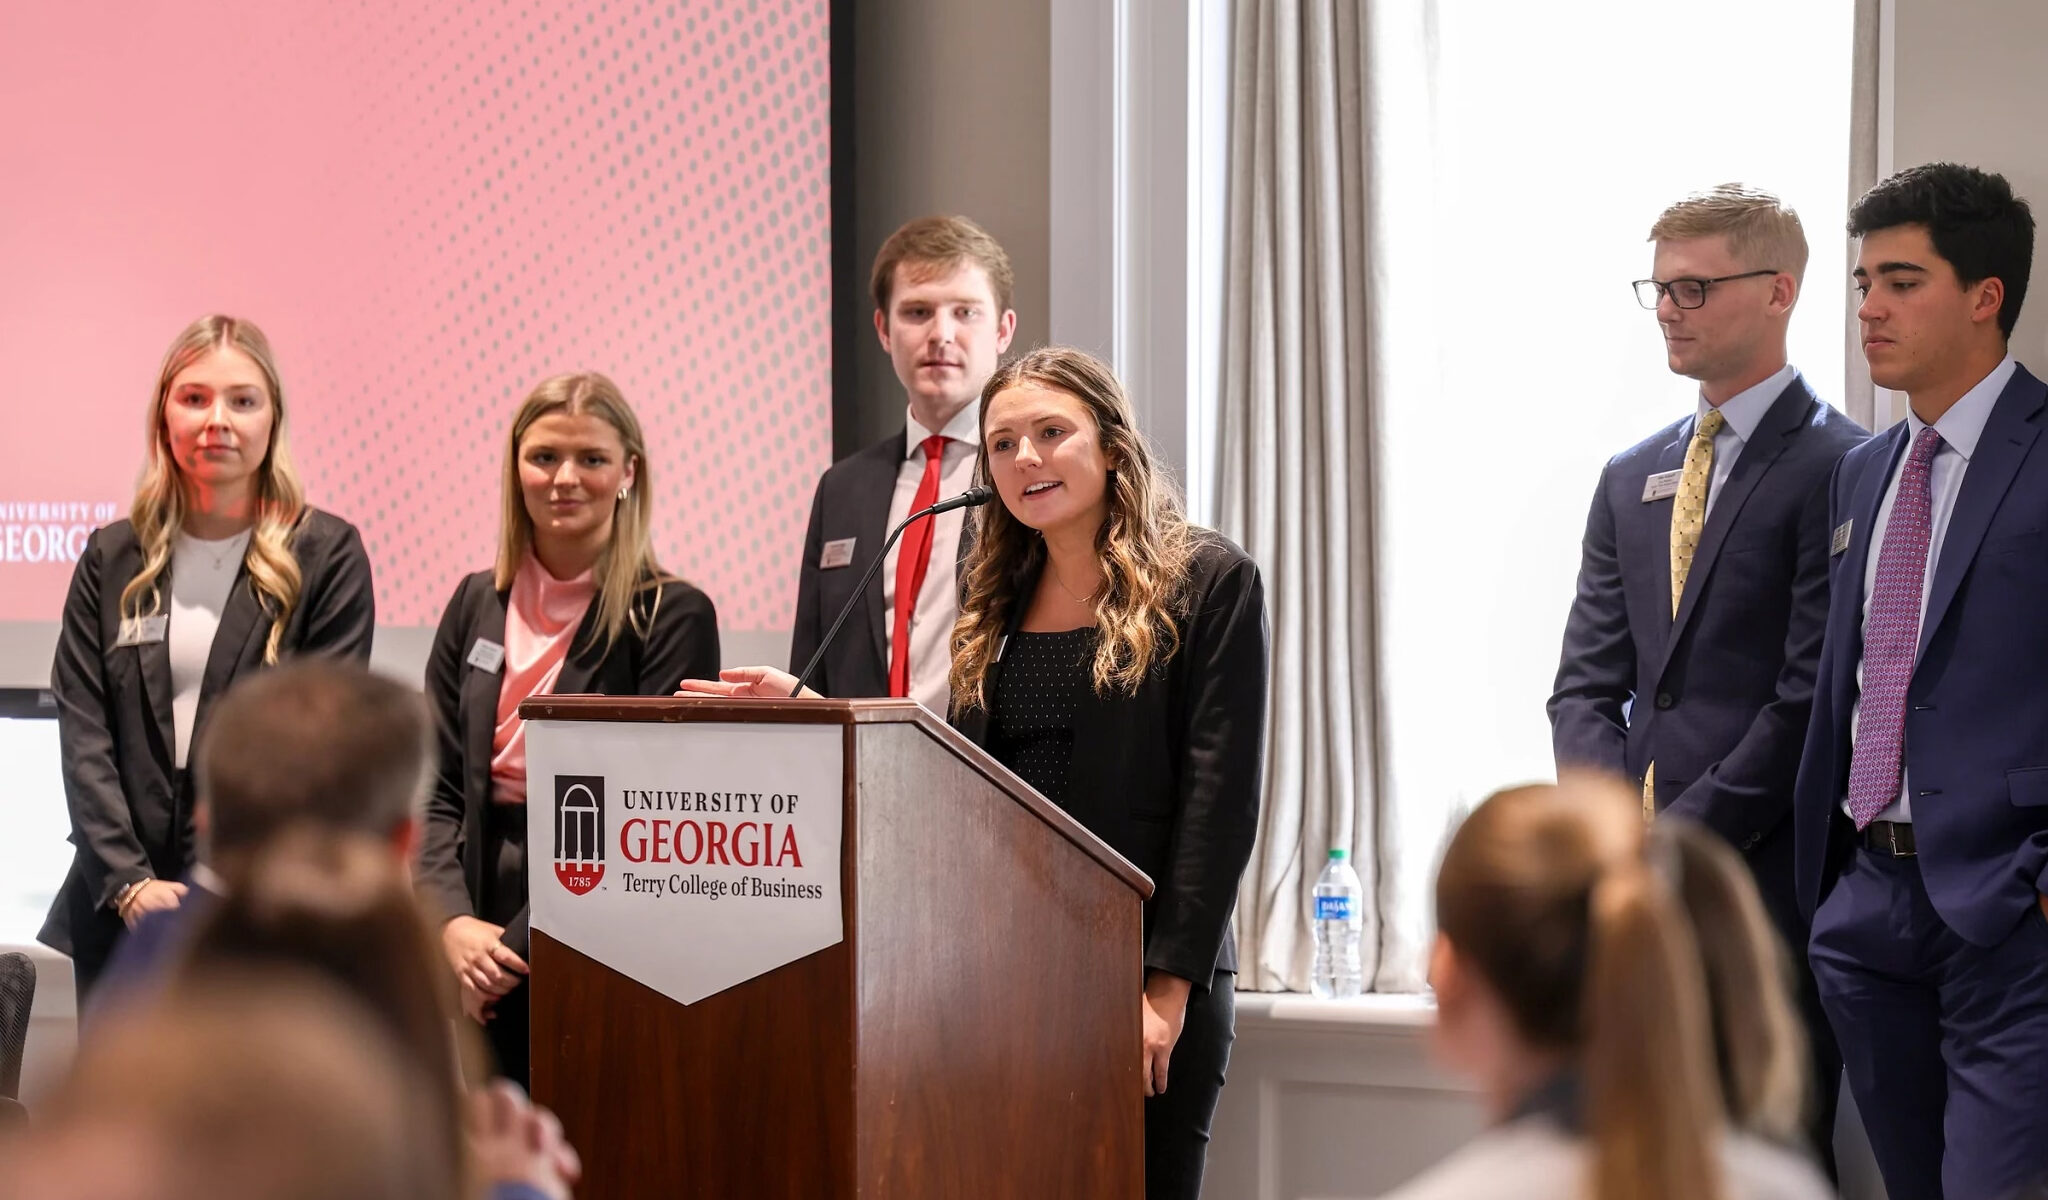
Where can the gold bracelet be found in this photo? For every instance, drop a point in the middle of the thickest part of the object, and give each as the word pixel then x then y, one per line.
pixel 127 897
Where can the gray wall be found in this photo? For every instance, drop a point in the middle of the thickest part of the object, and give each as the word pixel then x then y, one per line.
pixel 1969 84
pixel 951 114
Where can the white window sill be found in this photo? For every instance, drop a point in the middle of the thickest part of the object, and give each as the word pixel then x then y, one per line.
pixel 1386 1013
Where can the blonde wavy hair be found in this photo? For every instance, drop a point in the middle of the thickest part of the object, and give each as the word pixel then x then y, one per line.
pixel 1145 544
pixel 627 568
pixel 158 513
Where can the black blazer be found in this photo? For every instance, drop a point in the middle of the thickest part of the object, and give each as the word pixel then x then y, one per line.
pixel 1170 777
pixel 1719 696
pixel 852 501
pixel 114 710
pixel 681 643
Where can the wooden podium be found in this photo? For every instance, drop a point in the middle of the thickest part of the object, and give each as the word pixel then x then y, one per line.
pixel 974 1034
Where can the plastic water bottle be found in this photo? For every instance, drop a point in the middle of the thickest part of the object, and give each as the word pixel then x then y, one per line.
pixel 1339 922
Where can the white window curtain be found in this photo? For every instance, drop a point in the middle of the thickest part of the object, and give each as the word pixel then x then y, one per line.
pixel 1430 348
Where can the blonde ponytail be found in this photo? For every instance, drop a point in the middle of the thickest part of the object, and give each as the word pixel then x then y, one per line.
pixel 1548 893
pixel 1760 1048
pixel 1653 1115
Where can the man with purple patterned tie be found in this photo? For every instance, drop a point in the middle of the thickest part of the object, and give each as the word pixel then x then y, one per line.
pixel 1921 811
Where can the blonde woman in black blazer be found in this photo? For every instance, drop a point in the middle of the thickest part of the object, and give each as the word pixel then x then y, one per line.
pixel 1115 657
pixel 577 506
pixel 220 569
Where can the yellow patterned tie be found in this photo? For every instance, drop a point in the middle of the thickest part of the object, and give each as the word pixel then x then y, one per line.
pixel 1688 516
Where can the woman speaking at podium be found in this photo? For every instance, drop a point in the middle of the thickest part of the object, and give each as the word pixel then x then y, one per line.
pixel 1114 657
pixel 576 604
pixel 221 568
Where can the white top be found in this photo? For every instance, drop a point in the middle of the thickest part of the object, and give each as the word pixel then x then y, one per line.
pixel 202 577
pixel 1533 1159
pixel 1959 427
pixel 938 604
pixel 1743 412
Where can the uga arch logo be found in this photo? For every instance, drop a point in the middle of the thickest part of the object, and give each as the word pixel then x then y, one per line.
pixel 579 832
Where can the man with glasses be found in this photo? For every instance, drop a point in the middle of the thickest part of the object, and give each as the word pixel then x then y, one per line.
pixel 1690 651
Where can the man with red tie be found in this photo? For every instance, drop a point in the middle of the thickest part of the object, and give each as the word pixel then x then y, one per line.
pixel 941 287
pixel 1921 810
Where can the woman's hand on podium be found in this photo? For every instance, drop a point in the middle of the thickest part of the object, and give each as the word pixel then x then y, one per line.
pixel 747 683
pixel 479 959
pixel 1166 1010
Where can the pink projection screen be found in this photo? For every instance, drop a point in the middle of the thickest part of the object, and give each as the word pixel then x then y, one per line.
pixel 429 207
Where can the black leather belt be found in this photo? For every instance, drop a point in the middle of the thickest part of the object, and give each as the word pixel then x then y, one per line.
pixel 1893 839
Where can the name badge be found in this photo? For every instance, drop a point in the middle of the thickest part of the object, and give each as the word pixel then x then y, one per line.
pixel 837 554
pixel 487 656
pixel 1662 486
pixel 143 631
pixel 1841 538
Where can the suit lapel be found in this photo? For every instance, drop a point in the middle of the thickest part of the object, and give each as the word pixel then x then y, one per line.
pixel 241 619
pixel 1862 515
pixel 877 491
pixel 586 655
pixel 1782 421
pixel 1657 513
pixel 155 660
pixel 480 690
pixel 2008 435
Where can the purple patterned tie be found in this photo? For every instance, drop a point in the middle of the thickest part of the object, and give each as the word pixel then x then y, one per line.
pixel 1891 639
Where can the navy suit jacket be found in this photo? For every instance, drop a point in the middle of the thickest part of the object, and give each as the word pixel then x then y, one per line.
pixel 852 501
pixel 1977 705
pixel 1718 696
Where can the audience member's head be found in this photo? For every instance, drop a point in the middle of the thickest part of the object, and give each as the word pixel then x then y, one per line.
pixel 250 1088
pixel 1759 1045
pixel 1562 957
pixel 337 907
pixel 941 287
pixel 317 741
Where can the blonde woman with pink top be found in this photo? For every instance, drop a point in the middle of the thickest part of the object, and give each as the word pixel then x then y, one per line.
pixel 577 604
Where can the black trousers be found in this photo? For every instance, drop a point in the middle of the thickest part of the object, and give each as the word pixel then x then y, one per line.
pixel 1177 1121
pixel 504 895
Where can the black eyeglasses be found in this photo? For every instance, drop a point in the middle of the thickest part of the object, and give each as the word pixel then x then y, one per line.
pixel 1686 293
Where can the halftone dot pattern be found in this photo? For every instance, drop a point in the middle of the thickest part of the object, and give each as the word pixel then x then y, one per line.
pixel 432 207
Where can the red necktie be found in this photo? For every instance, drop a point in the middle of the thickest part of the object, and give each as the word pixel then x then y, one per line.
pixel 912 560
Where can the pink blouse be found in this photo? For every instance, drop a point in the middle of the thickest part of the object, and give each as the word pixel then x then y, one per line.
pixel 541 619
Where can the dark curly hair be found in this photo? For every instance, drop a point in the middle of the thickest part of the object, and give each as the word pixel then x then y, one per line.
pixel 1972 217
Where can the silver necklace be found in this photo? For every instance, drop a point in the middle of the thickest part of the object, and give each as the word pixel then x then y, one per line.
pixel 1083 601
pixel 219 558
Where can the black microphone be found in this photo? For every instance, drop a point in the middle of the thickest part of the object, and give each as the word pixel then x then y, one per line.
pixel 973 497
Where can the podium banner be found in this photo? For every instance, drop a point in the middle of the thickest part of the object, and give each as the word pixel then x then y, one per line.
pixel 687 857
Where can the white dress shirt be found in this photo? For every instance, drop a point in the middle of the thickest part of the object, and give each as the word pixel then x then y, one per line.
pixel 202 577
pixel 1742 412
pixel 938 603
pixel 1959 427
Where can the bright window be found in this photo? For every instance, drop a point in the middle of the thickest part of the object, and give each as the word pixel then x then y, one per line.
pixel 1534 146
pixel 33 825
